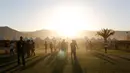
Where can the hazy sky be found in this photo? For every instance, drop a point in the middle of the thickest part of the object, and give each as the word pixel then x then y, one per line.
pixel 30 15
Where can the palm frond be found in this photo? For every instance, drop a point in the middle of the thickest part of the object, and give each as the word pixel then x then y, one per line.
pixel 105 33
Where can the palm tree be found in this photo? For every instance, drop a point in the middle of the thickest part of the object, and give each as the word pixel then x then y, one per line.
pixel 105 34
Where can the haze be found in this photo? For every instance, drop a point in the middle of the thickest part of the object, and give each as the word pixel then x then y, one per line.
pixel 31 15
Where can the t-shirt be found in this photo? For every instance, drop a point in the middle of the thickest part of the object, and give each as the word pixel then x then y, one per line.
pixel 20 46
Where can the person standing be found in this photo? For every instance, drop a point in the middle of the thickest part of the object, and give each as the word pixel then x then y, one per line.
pixel 12 48
pixel 51 47
pixel 63 45
pixel 28 47
pixel 45 46
pixel 67 47
pixel 20 51
pixel 106 46
pixel 73 46
pixel 32 48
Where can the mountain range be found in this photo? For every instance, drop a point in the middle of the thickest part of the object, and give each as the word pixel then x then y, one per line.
pixel 9 33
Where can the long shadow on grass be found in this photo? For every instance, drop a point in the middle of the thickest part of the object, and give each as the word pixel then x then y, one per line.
pixel 59 65
pixel 76 68
pixel 14 69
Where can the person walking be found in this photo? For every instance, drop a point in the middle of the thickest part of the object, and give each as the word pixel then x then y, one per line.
pixel 73 46
pixel 51 47
pixel 20 51
pixel 32 48
pixel 45 46
pixel 64 47
pixel 28 48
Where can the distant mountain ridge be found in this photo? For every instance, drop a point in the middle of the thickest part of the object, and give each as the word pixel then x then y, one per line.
pixel 9 33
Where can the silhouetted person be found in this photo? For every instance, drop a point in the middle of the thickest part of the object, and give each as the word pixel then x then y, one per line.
pixel 90 45
pixel 20 51
pixel 66 50
pixel 116 46
pixel 45 46
pixel 32 48
pixel 63 45
pixel 51 47
pixel 105 46
pixel 12 47
pixel 28 47
pixel 54 45
pixel 59 45
pixel 74 46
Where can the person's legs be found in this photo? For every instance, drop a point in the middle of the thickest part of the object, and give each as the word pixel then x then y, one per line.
pixel 71 55
pixel 105 49
pixel 10 51
pixel 74 55
pixel 23 60
pixel 18 55
pixel 28 53
pixel 13 52
pixel 33 52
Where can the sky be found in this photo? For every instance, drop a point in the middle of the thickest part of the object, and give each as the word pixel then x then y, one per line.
pixel 31 15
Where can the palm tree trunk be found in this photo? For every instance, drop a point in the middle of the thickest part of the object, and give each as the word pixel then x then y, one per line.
pixel 105 45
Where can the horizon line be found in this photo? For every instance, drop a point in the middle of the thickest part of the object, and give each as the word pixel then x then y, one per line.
pixel 55 30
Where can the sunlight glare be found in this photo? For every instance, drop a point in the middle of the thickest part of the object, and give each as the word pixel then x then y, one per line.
pixel 69 20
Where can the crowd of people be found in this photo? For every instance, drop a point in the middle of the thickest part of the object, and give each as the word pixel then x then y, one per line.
pixel 23 48
pixel 62 46
pixel 27 48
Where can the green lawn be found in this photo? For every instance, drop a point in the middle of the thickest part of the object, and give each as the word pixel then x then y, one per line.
pixel 115 51
pixel 7 59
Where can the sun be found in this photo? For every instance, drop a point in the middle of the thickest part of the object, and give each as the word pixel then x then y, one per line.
pixel 68 21
pixel 67 32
